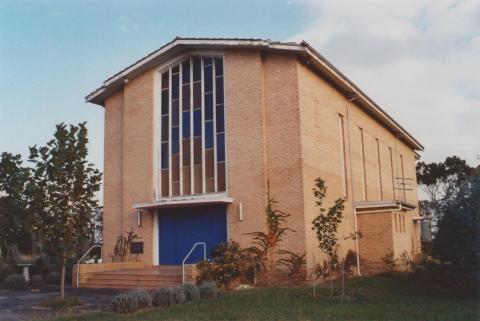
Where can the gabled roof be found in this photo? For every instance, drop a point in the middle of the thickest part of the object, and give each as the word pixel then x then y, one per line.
pixel 303 51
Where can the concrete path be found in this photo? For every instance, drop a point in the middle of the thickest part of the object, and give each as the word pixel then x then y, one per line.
pixel 25 305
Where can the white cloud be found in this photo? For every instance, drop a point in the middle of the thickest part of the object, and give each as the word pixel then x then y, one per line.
pixel 126 24
pixel 419 59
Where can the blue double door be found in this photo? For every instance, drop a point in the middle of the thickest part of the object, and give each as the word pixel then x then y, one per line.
pixel 180 228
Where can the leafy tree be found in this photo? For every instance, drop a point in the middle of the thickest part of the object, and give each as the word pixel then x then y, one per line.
pixel 457 240
pixel 15 222
pixel 62 192
pixel 441 181
pixel 326 225
pixel 267 243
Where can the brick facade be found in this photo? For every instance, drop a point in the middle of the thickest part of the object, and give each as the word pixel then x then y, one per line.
pixel 284 126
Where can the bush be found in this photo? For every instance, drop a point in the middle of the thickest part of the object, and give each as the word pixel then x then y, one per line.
pixel 5 270
pixel 178 295
pixel 124 303
pixel 143 297
pixel 191 292
pixel 53 278
pixel 37 281
pixel 208 290
pixel 131 301
pixel 162 297
pixel 229 262
pixel 14 282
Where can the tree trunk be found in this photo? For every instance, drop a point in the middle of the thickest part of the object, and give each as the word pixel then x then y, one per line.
pixel 62 281
pixel 343 280
pixel 331 282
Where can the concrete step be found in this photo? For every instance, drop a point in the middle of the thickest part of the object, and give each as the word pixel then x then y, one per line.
pixel 127 286
pixel 148 278
pixel 127 277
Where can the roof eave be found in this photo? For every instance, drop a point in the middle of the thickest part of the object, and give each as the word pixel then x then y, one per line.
pixel 356 94
pixel 179 45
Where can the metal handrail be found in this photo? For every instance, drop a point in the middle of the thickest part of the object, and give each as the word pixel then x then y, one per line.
pixel 83 256
pixel 186 257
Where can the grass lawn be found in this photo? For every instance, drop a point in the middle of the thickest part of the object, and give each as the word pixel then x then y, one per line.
pixel 377 298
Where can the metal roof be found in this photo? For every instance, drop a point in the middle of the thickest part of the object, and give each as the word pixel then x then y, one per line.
pixel 303 51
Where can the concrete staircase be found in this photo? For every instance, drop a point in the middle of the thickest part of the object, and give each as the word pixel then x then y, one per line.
pixel 146 278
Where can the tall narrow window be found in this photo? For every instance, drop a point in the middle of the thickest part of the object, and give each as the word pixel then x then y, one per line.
pixel 365 192
pixel 343 155
pixel 379 169
pixel 164 136
pixel 220 126
pixel 403 178
pixel 192 127
pixel 175 140
pixel 391 172
pixel 396 222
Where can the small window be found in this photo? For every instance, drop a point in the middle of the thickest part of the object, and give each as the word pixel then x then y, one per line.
pixel 164 155
pixel 186 124
pixel 218 67
pixel 164 128
pixel 186 152
pixel 164 102
pixel 197 123
pixel 208 80
pixel 197 151
pixel 186 72
pixel 220 147
pixel 219 90
pixel 220 119
pixel 175 86
pixel 165 80
pixel 207 61
pixel 197 95
pixel 186 97
pixel 209 106
pixel 175 140
pixel 197 69
pixel 175 112
pixel 208 134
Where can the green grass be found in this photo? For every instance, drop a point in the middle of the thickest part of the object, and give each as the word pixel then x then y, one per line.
pixel 376 298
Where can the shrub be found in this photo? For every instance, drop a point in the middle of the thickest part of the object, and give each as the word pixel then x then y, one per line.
pixel 37 281
pixel 295 264
pixel 389 261
pixel 208 290
pixel 124 303
pixel 15 282
pixel 162 297
pixel 178 295
pixel 191 292
pixel 143 297
pixel 229 262
pixel 53 278
pixel 5 270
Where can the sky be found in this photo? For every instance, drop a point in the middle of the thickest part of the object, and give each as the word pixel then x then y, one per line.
pixel 418 59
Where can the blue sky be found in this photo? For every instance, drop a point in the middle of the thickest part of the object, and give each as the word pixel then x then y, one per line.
pixel 417 58
pixel 52 53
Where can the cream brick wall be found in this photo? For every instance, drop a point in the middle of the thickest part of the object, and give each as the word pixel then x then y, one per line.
pixel 282 125
pixel 377 240
pixel 112 176
pixel 245 142
pixel 129 162
pixel 320 107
